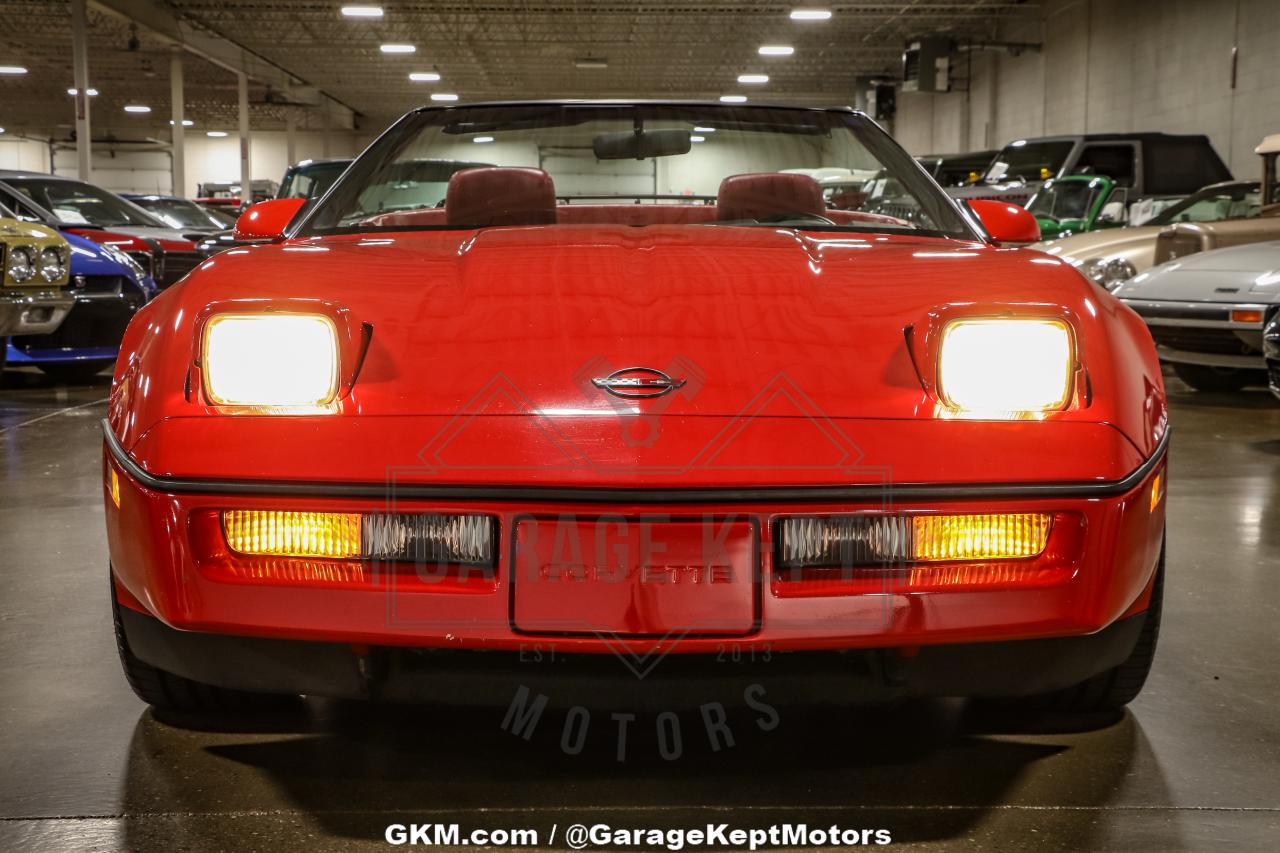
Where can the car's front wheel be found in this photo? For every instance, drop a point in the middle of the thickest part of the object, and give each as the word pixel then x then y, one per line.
pixel 1206 378
pixel 170 692
pixel 1116 687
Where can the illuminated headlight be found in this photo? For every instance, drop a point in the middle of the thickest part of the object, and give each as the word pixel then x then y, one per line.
pixel 22 264
pixel 1109 272
pixel 275 360
pixel 53 264
pixel 1006 367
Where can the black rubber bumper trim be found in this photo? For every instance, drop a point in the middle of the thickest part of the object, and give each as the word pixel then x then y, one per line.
pixel 572 494
pixel 463 676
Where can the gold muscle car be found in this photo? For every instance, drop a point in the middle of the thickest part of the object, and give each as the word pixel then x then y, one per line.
pixel 35 261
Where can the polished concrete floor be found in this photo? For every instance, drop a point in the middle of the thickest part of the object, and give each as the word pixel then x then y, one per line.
pixel 1194 765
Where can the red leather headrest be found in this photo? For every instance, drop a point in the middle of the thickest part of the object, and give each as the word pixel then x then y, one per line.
pixel 500 195
pixel 762 195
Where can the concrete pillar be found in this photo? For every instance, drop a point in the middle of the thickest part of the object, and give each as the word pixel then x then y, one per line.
pixel 246 174
pixel 176 98
pixel 80 75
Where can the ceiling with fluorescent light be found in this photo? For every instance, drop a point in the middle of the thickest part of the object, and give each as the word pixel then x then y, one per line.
pixel 493 49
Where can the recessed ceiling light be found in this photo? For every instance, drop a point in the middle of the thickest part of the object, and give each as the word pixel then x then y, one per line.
pixel 733 99
pixel 776 50
pixel 423 76
pixel 753 78
pixel 398 48
pixel 483 139
pixel 704 130
pixel 216 134
pixel 12 69
pixel 443 96
pixel 362 11
pixel 591 62
pixel 810 14
pixel 1 130
pixel 697 139
pixel 93 93
pixel 186 122
pixel 137 108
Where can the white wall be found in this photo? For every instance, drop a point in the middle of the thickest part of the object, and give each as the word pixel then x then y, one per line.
pixel 19 153
pixel 207 159
pixel 1117 66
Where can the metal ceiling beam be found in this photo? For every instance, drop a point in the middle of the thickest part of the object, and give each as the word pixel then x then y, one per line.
pixel 160 19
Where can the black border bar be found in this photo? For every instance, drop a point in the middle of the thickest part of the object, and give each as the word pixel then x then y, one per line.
pixel 588 494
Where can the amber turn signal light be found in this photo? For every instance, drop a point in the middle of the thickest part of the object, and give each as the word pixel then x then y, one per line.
pixel 861 540
pixel 1246 315
pixel 293 534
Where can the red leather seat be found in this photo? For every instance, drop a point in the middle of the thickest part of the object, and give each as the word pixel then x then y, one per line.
pixel 764 195
pixel 500 195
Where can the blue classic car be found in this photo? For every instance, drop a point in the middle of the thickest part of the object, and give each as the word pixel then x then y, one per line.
pixel 109 288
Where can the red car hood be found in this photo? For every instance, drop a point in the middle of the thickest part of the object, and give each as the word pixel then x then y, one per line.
pixel 542 311
pixel 764 325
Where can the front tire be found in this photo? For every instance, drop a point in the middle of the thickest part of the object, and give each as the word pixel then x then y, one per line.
pixel 168 692
pixel 1206 378
pixel 1116 687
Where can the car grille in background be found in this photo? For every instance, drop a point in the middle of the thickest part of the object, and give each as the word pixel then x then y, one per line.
pixel 1193 339
pixel 175 265
pixel 90 323
pixel 1191 312
pixel 98 285
pixel 1176 245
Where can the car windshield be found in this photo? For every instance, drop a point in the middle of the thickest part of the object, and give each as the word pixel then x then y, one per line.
pixel 1028 161
pixel 1060 200
pixel 308 180
pixel 1212 204
pixel 75 203
pixel 644 164
pixel 179 213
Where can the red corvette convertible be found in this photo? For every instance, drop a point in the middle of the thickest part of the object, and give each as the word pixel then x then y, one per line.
pixel 634 392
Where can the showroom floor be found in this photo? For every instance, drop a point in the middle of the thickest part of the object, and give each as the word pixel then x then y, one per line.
pixel 1193 766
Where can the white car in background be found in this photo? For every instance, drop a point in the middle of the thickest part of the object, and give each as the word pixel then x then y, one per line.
pixel 1206 312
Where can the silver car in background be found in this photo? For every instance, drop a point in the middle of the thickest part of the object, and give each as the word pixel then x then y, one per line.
pixel 1207 312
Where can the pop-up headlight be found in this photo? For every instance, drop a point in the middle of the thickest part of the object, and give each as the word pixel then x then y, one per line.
pixel 270 359
pixel 1003 367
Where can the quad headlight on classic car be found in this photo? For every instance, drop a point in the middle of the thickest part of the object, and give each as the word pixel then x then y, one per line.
pixel 1003 368
pixel 270 359
pixel 868 540
pixel 21 263
pixel 1109 272
pixel 53 264
pixel 419 538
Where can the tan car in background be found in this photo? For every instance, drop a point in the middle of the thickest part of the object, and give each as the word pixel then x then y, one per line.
pixel 1226 214
pixel 35 261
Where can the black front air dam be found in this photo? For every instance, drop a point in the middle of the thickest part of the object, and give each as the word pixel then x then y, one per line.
pixel 464 677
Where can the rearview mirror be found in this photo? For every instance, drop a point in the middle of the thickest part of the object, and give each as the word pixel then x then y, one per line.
pixel 641 144
pixel 1005 222
pixel 267 220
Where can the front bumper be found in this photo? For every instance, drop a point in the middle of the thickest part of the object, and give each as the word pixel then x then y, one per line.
pixel 1097 569
pixel 460 677
pixel 93 327
pixel 1203 332
pixel 33 313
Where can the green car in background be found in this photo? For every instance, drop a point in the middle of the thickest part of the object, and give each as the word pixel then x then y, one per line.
pixel 1077 203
